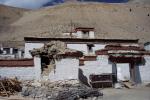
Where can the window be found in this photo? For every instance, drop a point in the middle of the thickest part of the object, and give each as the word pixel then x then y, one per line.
pixel 85 34
pixel 15 51
pixel 1 51
pixel 90 48
pixel 7 50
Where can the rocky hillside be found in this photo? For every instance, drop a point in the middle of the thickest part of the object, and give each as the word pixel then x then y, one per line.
pixel 126 21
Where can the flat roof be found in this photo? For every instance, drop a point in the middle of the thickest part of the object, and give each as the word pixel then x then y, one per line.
pixel 79 40
pixel 12 44
pixel 84 29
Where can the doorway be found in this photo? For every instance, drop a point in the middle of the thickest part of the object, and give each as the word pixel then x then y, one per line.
pixel 123 72
pixel 44 62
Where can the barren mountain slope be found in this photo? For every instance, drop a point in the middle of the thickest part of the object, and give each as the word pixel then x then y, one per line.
pixel 125 21
pixel 8 15
pixel 140 1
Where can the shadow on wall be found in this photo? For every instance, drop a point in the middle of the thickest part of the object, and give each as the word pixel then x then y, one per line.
pixel 137 70
pixel 82 78
pixel 114 72
pixel 138 75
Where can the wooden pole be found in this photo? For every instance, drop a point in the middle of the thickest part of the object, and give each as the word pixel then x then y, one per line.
pixel 4 89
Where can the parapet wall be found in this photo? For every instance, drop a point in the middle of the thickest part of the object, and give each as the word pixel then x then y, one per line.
pixel 24 69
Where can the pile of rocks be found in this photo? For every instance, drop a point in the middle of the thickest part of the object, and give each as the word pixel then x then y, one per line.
pixel 60 90
pixel 52 49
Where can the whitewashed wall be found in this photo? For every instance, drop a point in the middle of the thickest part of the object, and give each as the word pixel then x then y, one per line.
pixel 65 69
pixel 7 56
pixel 79 47
pixel 23 73
pixel 98 47
pixel 147 47
pixel 91 34
pixel 68 69
pixel 144 70
pixel 100 66
pixel 37 68
pixel 79 34
pixel 31 46
pixel 84 48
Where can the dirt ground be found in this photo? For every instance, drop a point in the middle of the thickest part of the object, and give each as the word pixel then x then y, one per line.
pixel 138 93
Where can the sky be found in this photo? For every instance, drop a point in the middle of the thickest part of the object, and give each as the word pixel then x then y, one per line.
pixel 34 4
pixel 29 4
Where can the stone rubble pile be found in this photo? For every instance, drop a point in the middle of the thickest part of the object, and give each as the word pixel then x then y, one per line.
pixel 52 48
pixel 60 90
